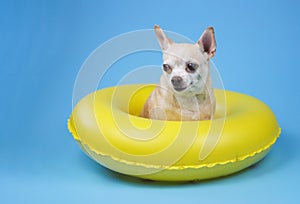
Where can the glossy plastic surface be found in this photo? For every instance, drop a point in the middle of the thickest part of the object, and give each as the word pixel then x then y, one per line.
pixel 107 127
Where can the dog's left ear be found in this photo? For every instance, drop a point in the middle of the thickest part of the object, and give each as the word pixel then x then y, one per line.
pixel 163 40
pixel 207 42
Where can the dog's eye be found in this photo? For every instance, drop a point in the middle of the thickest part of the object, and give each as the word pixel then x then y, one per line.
pixel 191 67
pixel 167 68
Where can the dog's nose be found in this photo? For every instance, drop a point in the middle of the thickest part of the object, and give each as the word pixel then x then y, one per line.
pixel 176 80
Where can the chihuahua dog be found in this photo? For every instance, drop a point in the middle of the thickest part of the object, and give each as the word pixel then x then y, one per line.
pixel 185 90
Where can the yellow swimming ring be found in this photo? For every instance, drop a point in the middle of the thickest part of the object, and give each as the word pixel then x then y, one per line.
pixel 107 127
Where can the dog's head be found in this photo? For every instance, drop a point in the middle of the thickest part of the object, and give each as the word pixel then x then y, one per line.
pixel 186 66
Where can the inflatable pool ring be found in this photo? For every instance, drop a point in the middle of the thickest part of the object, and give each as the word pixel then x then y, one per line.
pixel 107 127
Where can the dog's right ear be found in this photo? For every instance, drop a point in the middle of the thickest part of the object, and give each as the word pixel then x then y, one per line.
pixel 163 41
pixel 207 42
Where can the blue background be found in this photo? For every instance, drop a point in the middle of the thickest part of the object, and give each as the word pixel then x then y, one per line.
pixel 42 47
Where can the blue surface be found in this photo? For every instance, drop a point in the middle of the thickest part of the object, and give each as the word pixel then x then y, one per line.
pixel 42 47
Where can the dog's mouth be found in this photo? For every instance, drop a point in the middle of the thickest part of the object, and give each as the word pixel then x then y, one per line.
pixel 181 88
pixel 178 89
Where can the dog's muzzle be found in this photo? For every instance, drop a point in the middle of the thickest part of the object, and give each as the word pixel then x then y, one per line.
pixel 178 84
